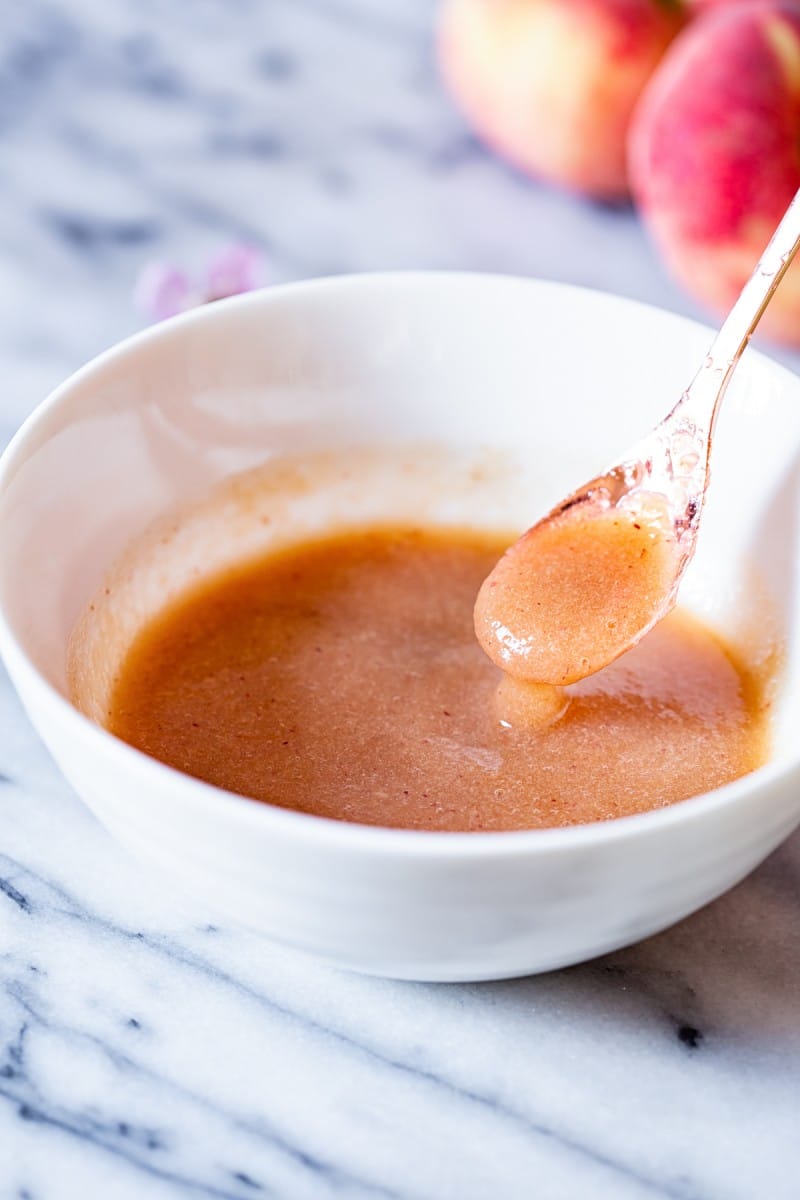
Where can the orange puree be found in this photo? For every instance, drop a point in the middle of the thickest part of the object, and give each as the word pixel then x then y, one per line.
pixel 574 593
pixel 343 678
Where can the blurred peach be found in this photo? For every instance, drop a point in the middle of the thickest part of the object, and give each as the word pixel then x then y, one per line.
pixel 551 84
pixel 715 152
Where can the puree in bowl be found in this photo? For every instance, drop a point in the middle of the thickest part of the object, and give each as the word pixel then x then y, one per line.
pixel 343 678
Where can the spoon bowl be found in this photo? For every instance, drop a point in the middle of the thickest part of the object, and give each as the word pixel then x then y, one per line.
pixel 591 578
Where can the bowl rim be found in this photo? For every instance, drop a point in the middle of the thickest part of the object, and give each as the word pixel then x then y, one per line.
pixel 326 831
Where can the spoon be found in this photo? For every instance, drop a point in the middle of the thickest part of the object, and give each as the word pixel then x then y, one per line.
pixel 590 579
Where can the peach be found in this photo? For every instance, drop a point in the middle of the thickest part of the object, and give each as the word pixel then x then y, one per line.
pixel 715 153
pixel 698 6
pixel 551 84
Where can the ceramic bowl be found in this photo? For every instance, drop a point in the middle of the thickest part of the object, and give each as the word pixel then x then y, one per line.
pixel 518 390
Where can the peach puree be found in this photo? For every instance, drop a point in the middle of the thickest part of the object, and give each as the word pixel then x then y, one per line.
pixel 343 678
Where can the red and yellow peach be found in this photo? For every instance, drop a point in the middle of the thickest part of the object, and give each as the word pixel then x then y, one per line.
pixel 551 84
pixel 715 152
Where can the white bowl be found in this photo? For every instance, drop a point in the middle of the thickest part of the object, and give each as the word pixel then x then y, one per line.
pixel 538 383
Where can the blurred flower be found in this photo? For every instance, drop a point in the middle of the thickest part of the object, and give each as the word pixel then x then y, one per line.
pixel 162 289
pixel 236 268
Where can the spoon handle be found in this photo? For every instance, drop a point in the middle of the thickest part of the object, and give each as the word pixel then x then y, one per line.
pixel 709 384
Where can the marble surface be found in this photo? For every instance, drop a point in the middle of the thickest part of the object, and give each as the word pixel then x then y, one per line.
pixel 147 1048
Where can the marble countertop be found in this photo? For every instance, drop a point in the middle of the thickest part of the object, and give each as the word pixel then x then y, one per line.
pixel 147 1048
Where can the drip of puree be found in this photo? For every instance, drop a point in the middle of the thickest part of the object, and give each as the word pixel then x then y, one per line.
pixel 343 678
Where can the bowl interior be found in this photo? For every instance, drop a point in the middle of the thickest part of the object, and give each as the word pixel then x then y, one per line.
pixel 471 399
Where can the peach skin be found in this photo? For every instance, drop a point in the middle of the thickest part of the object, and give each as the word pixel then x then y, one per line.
pixel 714 152
pixel 551 84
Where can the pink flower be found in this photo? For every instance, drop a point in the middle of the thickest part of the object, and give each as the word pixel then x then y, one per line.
pixel 235 269
pixel 162 289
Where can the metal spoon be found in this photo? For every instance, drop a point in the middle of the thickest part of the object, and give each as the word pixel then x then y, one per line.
pixel 586 582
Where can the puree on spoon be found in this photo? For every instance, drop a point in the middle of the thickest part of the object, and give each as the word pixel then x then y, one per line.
pixel 576 591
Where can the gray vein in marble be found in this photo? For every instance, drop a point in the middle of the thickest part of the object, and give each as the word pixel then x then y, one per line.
pixel 177 955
